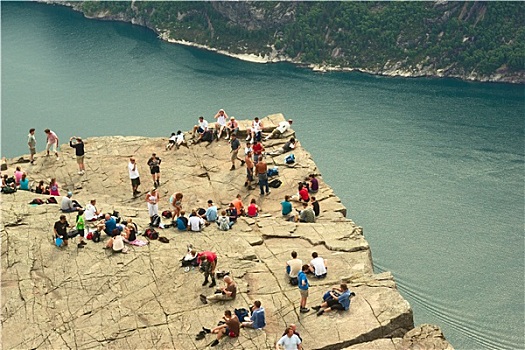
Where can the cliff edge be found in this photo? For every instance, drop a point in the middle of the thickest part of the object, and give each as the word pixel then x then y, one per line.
pixel 54 298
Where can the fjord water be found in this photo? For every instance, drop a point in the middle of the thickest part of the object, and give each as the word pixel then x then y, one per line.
pixel 433 169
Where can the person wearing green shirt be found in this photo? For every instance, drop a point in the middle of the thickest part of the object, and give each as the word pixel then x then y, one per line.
pixel 81 225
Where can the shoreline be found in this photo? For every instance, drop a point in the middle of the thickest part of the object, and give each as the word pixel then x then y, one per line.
pixel 388 71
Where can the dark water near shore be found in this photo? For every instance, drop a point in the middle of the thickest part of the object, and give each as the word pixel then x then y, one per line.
pixel 432 169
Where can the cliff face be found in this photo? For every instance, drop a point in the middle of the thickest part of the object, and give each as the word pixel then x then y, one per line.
pixel 482 41
pixel 93 298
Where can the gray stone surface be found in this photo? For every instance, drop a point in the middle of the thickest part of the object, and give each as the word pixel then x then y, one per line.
pixel 54 298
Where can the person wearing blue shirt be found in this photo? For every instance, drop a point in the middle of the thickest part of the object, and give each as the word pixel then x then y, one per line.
pixel 111 225
pixel 303 284
pixel 258 319
pixel 211 212
pixel 182 221
pixel 337 299
pixel 286 206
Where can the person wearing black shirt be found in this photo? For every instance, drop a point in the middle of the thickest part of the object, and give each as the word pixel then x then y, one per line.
pixel 60 229
pixel 79 152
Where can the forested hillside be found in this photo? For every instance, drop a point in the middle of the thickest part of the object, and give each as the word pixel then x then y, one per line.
pixel 475 40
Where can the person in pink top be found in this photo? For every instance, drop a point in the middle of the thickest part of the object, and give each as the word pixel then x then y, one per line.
pixel 52 142
pixel 18 175
pixel 53 187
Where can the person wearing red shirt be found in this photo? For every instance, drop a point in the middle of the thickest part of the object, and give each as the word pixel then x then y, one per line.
pixel 208 262
pixel 303 193
pixel 258 150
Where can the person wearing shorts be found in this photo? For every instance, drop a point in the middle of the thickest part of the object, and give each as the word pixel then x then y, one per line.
pixel 78 145
pixel 337 299
pixel 235 145
pixel 231 327
pixel 303 287
pixel 31 142
pixel 52 142
pixel 60 229
pixel 154 167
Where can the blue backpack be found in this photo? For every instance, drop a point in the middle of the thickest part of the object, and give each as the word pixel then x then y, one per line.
pixel 272 172
pixel 290 159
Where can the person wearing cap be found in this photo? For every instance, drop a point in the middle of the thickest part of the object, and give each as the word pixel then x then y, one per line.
pixel 255 131
pixel 283 127
pixel 211 213
pixel 79 152
pixel 68 205
pixel 220 125
pixel 287 147
pixel 232 128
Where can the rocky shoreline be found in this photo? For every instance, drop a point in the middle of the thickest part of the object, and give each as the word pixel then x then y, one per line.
pixel 93 298
pixel 391 69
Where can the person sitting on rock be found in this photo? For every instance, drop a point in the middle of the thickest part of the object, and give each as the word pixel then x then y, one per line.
pixel 336 299
pixel 220 125
pixel 232 213
pixel 293 267
pixel 223 221
pixel 289 341
pixel 253 209
pixel 182 221
pixel 201 127
pixel 130 233
pixel 315 206
pixel 41 188
pixel 69 205
pixel 237 202
pixel 53 187
pixel 283 127
pixel 318 266
pixel 92 213
pixel 24 183
pixel 314 184
pixel 18 175
pixel 211 212
pixel 286 206
pixel 232 128
pixel 258 318
pixel 195 222
pixel 228 292
pixel 255 131
pixel 303 192
pixel 288 146
pixel 208 262
pixel 110 225
pixel 307 214
pixel 231 328
pixel 116 243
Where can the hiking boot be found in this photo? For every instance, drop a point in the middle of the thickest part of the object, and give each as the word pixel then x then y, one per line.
pixel 245 183
pixel 242 162
pixel 316 308
pixel 207 330
pixel 83 243
pixel 267 193
pixel 80 246
pixel 205 282
pixel 203 299
pixel 200 336
pixel 233 167
pixel 320 312
pixel 304 310
pixel 215 343
pixel 248 137
pixel 213 284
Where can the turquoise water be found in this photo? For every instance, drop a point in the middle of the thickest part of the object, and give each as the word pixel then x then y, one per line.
pixel 432 169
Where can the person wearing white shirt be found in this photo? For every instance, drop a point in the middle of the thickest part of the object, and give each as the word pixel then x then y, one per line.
pixel 91 213
pixel 195 222
pixel 134 176
pixel 318 266
pixel 201 127
pixel 283 127
pixel 289 341
pixel 220 125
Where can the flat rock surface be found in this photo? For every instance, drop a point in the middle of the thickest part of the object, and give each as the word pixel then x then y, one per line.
pixel 54 298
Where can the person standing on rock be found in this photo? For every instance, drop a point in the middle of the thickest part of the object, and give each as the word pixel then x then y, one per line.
pixel 249 170
pixel 134 176
pixel 79 152
pixel 303 288
pixel 52 142
pixel 258 150
pixel 154 166
pixel 235 145
pixel 31 142
pixel 208 263
pixel 152 198
pixel 262 175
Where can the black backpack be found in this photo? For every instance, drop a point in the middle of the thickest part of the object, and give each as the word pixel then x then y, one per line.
pixel 166 214
pixel 96 236
pixel 241 314
pixel 155 221
pixel 275 183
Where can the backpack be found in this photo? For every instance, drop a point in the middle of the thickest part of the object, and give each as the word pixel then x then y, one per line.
pixel 73 233
pixel 275 183
pixel 290 159
pixel 273 171
pixel 155 221
pixel 151 233
pixel 163 239
pixel 223 223
pixel 51 200
pixel 37 201
pixel 241 314
pixel 96 236
pixel 166 214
